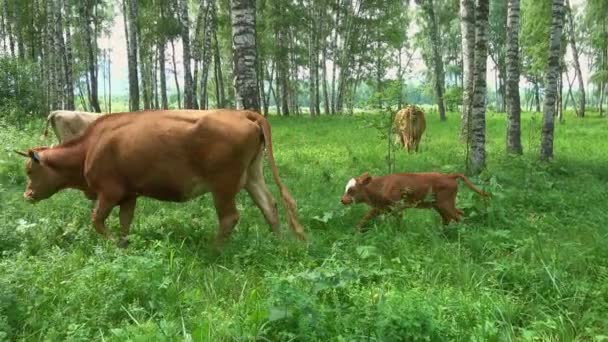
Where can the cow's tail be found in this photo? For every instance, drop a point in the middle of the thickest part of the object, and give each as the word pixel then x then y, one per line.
pixel 49 120
pixel 469 184
pixel 288 201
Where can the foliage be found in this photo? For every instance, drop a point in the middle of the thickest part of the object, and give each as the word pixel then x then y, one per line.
pixel 21 96
pixel 528 264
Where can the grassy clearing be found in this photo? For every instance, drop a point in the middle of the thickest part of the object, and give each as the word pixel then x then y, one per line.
pixel 529 265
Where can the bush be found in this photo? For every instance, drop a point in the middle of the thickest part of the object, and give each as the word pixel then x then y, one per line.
pixel 21 96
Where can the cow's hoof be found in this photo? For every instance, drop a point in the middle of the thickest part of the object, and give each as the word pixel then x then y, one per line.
pixel 123 243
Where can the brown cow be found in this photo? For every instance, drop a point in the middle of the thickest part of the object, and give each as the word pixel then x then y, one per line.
pixel 169 155
pixel 68 124
pixel 398 191
pixel 410 124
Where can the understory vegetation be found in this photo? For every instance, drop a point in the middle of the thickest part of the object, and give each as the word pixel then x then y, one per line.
pixel 528 264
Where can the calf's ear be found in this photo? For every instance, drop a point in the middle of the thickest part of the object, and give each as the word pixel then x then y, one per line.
pixel 365 178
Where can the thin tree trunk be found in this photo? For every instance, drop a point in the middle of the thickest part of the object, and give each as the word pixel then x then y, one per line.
pixel 435 38
pixel 207 53
pixel 580 111
pixel 537 95
pixel 467 26
pixel 90 39
pixel 185 35
pixel 163 76
pixel 311 67
pixel 477 149
pixel 156 103
pixel 219 78
pixel 326 103
pixel 179 100
pixel 69 74
pixel 132 30
pixel 109 83
pixel 512 88
pixel 551 78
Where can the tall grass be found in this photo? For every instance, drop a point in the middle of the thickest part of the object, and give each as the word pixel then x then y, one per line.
pixel 530 264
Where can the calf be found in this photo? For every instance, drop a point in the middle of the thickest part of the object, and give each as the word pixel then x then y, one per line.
pixel 68 124
pixel 169 155
pixel 398 191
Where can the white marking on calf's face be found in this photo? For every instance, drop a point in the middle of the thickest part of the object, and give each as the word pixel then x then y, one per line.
pixel 351 183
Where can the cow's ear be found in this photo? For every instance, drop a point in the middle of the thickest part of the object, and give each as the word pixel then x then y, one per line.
pixel 34 155
pixel 365 178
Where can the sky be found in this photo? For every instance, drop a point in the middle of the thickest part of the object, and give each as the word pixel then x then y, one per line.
pixel 116 42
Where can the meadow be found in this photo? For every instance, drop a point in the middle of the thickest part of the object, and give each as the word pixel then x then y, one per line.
pixel 530 264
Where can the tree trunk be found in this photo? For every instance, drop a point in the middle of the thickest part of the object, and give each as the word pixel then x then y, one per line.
pixel 91 46
pixel 179 100
pixel 477 149
pixel 512 88
pixel 537 94
pixel 154 86
pixel 131 28
pixel 326 103
pixel 244 52
pixel 435 38
pixel 311 66
pixel 69 73
pixel 185 35
pixel 467 27
pixel 552 74
pixel 219 78
pixel 580 111
pixel 163 76
pixel 210 29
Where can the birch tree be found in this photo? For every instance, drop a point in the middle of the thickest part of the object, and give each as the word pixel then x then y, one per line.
pixel 512 91
pixel 244 54
pixel 551 76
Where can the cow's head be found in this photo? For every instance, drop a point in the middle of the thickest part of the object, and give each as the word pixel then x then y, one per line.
pixel 42 181
pixel 355 189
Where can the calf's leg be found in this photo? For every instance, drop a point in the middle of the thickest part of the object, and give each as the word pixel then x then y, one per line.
pixel 368 216
pixel 445 205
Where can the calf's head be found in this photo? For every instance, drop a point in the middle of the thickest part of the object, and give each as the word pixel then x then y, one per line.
pixel 42 181
pixel 355 189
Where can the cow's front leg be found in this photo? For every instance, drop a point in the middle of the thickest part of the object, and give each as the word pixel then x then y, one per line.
pixel 100 214
pixel 228 216
pixel 127 209
pixel 368 216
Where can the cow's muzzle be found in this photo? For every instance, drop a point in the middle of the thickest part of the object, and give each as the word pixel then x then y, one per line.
pixel 29 196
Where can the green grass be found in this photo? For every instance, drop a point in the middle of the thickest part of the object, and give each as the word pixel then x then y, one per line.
pixel 530 264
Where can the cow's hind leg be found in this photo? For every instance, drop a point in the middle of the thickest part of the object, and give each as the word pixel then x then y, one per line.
pixel 258 190
pixel 127 209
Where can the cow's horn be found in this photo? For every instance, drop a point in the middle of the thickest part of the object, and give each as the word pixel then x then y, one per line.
pixel 21 153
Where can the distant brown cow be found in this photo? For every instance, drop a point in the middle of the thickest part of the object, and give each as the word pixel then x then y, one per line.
pixel 409 125
pixel 398 191
pixel 169 155
pixel 68 124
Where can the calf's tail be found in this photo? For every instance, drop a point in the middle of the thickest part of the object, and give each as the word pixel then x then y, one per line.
pixel 288 201
pixel 469 184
